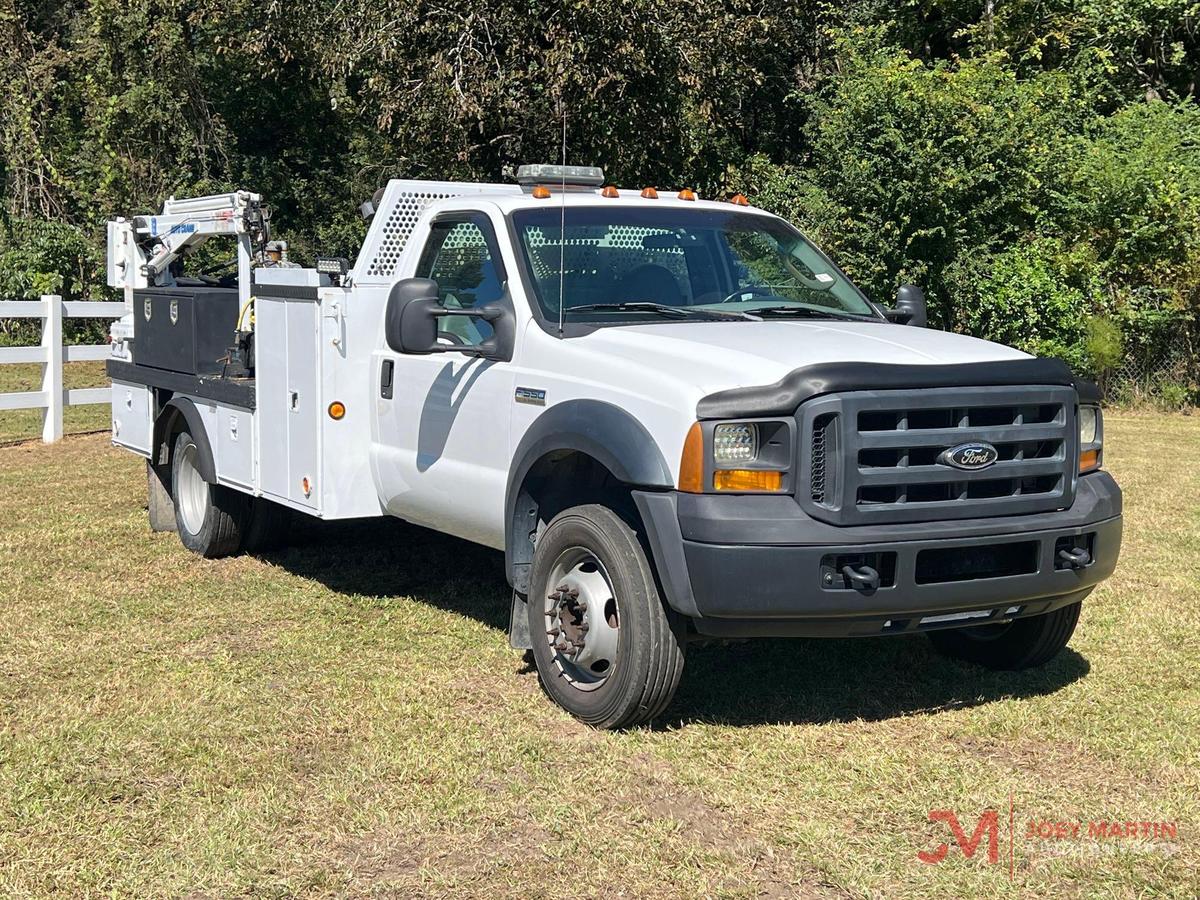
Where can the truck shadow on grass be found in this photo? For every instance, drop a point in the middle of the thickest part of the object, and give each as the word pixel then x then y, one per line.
pixel 774 681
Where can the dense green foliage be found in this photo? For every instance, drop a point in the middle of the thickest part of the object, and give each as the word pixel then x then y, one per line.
pixel 1034 164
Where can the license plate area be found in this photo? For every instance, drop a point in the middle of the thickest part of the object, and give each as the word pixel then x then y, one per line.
pixel 943 565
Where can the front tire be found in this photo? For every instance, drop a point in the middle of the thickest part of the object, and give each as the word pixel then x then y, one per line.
pixel 210 517
pixel 607 649
pixel 1022 644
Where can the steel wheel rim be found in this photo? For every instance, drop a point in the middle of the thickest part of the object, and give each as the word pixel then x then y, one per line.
pixel 582 619
pixel 192 490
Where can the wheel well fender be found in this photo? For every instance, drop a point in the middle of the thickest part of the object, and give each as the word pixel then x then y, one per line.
pixel 178 413
pixel 606 434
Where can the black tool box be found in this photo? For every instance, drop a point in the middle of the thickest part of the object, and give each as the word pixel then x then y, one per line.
pixel 184 329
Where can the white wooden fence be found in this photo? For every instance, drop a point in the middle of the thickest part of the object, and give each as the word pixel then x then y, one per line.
pixel 52 353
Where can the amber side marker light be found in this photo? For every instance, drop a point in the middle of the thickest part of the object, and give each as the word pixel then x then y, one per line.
pixel 747 480
pixel 1089 460
pixel 337 410
pixel 691 463
pixel 541 192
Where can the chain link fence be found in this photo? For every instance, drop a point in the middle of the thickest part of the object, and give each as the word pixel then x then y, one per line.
pixel 1165 374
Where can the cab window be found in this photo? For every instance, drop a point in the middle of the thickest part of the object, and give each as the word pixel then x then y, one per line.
pixel 460 255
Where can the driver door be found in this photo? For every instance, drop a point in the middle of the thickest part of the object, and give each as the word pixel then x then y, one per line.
pixel 442 453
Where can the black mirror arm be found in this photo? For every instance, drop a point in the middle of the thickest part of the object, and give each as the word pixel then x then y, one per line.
pixel 489 348
pixel 487 313
pixel 899 316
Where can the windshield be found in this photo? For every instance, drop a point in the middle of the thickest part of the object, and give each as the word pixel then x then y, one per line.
pixel 623 264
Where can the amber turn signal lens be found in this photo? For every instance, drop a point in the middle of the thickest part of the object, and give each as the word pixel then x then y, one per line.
pixel 610 191
pixel 691 463
pixel 747 480
pixel 649 193
pixel 337 410
pixel 687 194
pixel 739 200
pixel 1089 460
pixel 541 192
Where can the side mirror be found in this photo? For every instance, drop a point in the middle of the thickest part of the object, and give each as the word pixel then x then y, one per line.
pixel 911 308
pixel 411 322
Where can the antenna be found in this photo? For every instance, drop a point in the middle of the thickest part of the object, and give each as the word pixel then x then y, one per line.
pixel 562 223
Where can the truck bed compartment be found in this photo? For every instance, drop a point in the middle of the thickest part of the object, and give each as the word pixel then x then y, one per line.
pixel 184 329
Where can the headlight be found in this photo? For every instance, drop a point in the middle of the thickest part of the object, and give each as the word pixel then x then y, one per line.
pixel 737 457
pixel 736 443
pixel 1091 438
pixel 1089 425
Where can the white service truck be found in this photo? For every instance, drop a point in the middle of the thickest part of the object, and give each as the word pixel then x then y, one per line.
pixel 677 418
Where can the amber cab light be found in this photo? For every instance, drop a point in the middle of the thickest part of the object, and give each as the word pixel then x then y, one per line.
pixel 747 480
pixel 691 463
pixel 649 193
pixel 541 192
pixel 610 191
pixel 739 200
pixel 687 194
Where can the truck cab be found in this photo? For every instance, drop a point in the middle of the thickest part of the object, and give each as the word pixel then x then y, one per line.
pixel 677 418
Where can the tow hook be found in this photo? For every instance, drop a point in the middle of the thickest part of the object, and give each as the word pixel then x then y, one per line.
pixel 864 578
pixel 1074 557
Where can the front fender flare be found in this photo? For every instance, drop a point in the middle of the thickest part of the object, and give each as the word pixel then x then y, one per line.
pixel 605 432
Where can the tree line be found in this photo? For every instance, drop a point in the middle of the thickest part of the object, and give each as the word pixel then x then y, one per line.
pixel 1034 164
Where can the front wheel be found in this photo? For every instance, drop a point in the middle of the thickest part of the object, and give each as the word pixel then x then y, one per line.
pixel 1022 644
pixel 607 649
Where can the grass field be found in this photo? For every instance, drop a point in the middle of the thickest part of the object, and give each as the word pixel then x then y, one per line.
pixel 345 718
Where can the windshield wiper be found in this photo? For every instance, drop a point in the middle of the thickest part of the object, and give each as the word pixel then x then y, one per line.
pixel 662 309
pixel 807 313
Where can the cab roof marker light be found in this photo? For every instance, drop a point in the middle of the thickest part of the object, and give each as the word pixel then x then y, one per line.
pixel 577 176
pixel 541 192
pixel 687 194
pixel 610 192
pixel 649 193
pixel 739 200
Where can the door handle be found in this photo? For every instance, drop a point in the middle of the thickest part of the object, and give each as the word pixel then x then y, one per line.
pixel 386 376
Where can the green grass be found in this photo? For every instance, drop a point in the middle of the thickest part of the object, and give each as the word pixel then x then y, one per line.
pixel 344 718
pixel 21 424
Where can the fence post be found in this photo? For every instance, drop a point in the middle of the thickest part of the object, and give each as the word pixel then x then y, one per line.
pixel 52 373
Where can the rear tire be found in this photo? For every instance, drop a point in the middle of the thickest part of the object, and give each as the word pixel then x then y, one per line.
pixel 607 649
pixel 268 525
pixel 210 517
pixel 1022 644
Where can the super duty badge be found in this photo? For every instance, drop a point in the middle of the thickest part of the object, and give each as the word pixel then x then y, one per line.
pixel 534 396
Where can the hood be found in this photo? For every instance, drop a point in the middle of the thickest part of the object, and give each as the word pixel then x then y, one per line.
pixel 715 356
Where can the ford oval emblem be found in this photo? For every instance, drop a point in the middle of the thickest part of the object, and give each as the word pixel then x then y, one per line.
pixel 975 455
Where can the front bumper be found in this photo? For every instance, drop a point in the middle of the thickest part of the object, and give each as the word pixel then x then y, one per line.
pixel 757 565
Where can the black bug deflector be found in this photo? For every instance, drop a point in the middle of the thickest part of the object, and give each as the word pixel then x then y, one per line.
pixel 800 385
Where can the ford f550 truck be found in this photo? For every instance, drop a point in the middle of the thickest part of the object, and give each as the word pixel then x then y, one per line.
pixel 677 418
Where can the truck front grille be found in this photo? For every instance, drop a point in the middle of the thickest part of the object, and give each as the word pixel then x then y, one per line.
pixel 886 466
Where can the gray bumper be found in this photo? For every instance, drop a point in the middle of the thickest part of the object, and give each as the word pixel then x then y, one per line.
pixel 751 565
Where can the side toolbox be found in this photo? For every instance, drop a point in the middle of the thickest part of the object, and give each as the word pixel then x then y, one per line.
pixel 131 420
pixel 184 329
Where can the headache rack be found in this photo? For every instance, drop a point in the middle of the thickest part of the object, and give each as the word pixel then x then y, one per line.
pixel 872 457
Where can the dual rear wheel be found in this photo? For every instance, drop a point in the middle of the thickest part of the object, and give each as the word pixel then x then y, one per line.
pixel 214 520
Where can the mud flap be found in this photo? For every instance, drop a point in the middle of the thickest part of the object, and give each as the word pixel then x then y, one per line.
pixel 518 624
pixel 158 498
